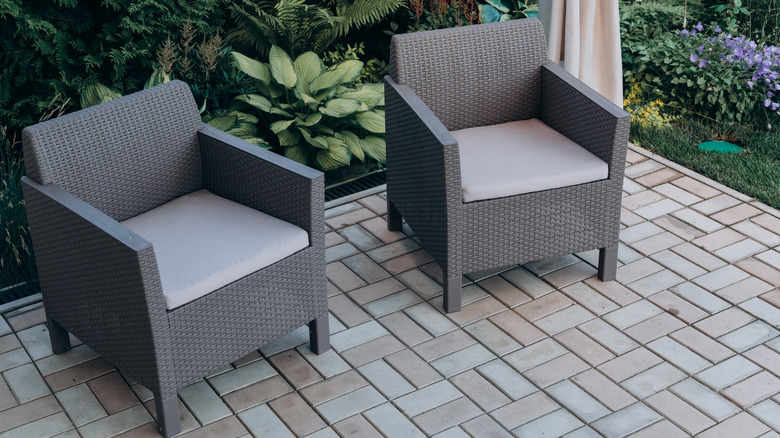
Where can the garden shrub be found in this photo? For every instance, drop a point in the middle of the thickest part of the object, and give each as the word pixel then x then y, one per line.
pixel 318 115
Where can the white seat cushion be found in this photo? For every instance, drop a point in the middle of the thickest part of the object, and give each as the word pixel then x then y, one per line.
pixel 203 242
pixel 521 157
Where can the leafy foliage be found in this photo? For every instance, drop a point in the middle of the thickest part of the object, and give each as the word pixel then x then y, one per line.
pixel 374 69
pixel 319 116
pixel 442 14
pixel 58 47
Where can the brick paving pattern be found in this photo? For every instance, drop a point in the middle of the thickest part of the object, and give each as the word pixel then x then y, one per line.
pixel 685 343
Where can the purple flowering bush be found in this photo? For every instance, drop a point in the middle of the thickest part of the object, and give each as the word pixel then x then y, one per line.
pixel 714 74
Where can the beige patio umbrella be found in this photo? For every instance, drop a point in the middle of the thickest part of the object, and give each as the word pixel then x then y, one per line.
pixel 585 35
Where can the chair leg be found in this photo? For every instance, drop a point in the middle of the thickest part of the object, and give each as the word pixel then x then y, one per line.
pixel 394 220
pixel 452 294
pixel 319 335
pixel 60 339
pixel 608 263
pixel 168 421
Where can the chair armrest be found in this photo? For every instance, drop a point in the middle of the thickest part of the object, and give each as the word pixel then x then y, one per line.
pixel 252 176
pixel 584 116
pixel 423 161
pixel 99 279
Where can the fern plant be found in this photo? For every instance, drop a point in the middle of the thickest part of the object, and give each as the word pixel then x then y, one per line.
pixel 320 118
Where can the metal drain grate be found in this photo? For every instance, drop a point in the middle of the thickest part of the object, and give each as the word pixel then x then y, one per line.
pixel 356 185
pixel 18 291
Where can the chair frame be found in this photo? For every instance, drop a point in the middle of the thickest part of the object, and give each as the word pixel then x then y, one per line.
pixel 100 281
pixel 424 181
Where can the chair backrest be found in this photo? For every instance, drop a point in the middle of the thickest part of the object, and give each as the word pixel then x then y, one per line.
pixel 474 75
pixel 123 157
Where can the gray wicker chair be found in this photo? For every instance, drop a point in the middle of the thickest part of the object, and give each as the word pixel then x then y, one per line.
pixel 92 173
pixel 445 84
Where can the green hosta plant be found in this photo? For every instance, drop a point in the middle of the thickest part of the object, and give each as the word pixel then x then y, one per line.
pixel 238 124
pixel 319 116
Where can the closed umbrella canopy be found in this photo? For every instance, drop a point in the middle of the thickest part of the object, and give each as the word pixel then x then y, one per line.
pixel 585 35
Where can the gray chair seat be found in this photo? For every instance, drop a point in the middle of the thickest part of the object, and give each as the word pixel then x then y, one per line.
pixel 521 157
pixel 204 242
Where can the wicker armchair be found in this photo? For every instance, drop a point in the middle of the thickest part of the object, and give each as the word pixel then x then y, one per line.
pixel 496 155
pixel 169 247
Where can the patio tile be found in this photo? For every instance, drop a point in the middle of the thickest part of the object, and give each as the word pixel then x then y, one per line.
pixel 203 402
pixel 360 238
pixel 9 342
pixel 698 220
pixel 375 291
pixel 658 209
pixel 506 379
pixel 771 257
pixel 407 261
pixel 677 306
pixel 655 283
pixel 13 359
pixel 349 313
pixel 642 168
pixel 753 389
pixel 26 319
pixel 768 221
pixel 404 328
pixel 629 364
pixel 762 310
pixel 393 250
pixel 584 347
pixel 748 336
pixel 113 393
pixel 768 412
pixel 414 369
pixel 604 390
pixel 427 398
pixel 477 310
pixel 663 428
pixel 525 410
pixel 443 345
pixel 680 412
pixel 577 401
pixel 342 277
pixel 589 298
pixel 765 357
pixel 570 274
pixel 485 426
pixel 758 233
pixel 350 404
pixel 388 381
pixel 257 393
pixel 376 203
pixel 356 427
pixel 372 350
pixel 339 251
pixel 28 412
pixel 262 421
pixel 673 192
pixel 700 297
pixel 430 319
pixel 564 319
pixel 392 423
pixel 296 414
pixel 679 355
pixel 241 377
pixel 696 187
pixel 760 270
pixel 357 335
pixel 333 387
pixel 626 421
pixel 378 227
pixel 78 374
pixel 719 239
pixel 613 290
pixel 492 337
pixel 392 303
pixel 535 354
pixel 743 425
pixel 632 314
pixel 699 256
pixel 462 360
pixel 504 291
pixel 653 380
pixel 636 270
pixel 446 416
pixel 546 266
pixel 629 218
pixel 517 327
pixel 556 370
pixel 421 284
pixel 654 244
pixel 735 214
pixel 7 399
pixel 365 268
pixel 333 238
pixel 58 424
pixel 633 157
pixel 608 336
pixel 555 423
pixel 728 372
pixel 544 306
pixel 480 390
pixel 122 421
pixel 658 177
pixel 744 290
pixel 678 227
pixel 350 218
pixel 583 432
pixel 716 204
pixel 527 282
pixel 322 433
pixel 654 328
pixel 740 250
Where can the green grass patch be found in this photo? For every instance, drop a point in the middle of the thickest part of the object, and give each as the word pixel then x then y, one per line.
pixel 755 171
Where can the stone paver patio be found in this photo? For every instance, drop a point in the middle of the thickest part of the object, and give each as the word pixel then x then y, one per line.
pixel 684 343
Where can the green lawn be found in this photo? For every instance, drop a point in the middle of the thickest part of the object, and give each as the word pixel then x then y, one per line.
pixel 755 171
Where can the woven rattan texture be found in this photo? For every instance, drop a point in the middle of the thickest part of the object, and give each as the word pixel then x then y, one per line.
pixel 100 281
pixel 473 75
pixel 124 157
pixel 423 166
pixel 104 292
